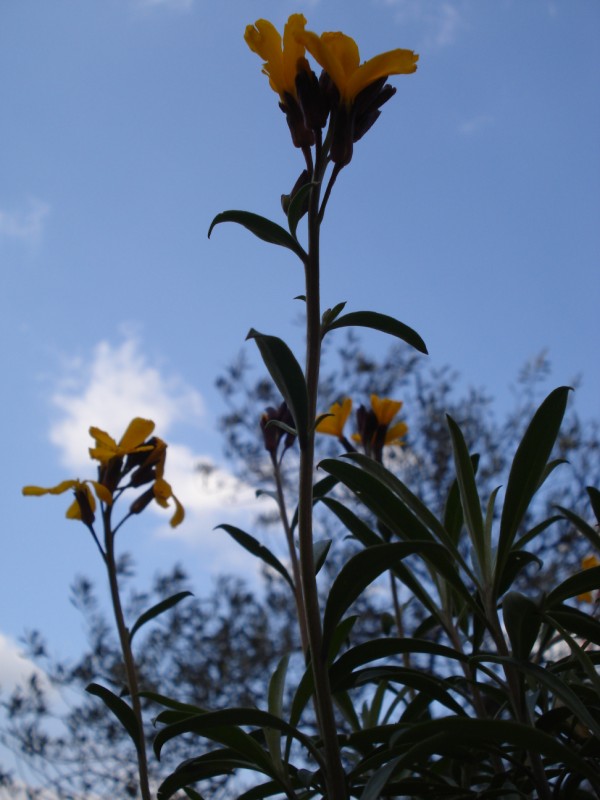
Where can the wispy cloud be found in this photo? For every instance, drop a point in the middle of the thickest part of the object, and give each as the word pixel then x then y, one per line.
pixel 116 384
pixel 174 5
pixel 24 224
pixel 438 23
pixel 15 668
pixel 474 125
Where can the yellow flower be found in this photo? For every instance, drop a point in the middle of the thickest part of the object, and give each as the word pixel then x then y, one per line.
pixel 84 505
pixel 339 56
pixel 385 409
pixel 374 431
pixel 280 57
pixel 333 425
pixel 587 563
pixel 132 441
pixel 162 490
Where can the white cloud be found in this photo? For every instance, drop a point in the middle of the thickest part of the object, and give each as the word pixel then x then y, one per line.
pixel 176 5
pixel 15 668
pixel 472 126
pixel 24 224
pixel 117 384
pixel 440 22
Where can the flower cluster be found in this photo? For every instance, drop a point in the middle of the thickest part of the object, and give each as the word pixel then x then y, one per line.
pixel 374 425
pixel 276 425
pixel 347 92
pixel 136 460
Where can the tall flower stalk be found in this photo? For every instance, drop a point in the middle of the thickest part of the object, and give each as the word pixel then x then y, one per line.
pixel 326 116
pixel 137 460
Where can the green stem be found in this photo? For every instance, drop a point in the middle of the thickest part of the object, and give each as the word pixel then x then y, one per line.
pixel 515 689
pixel 335 778
pixel 298 596
pixel 128 660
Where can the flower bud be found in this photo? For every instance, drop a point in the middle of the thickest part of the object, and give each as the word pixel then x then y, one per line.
pixel 140 503
pixel 85 507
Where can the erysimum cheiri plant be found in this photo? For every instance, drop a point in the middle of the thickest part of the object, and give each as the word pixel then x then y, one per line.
pixel 136 461
pixel 475 689
pixel 493 693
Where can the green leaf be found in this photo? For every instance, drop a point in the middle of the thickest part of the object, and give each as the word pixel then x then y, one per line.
pixel 225 727
pixel 359 572
pixel 586 581
pixel 298 206
pixel 192 795
pixel 275 707
pixel 551 681
pixel 330 314
pixel 288 377
pixel 421 741
pixel 257 549
pixel 527 470
pixel 393 512
pixel 433 688
pixel 410 500
pixel 223 761
pixel 576 621
pixel 368 652
pixel 378 781
pixel 156 610
pixel 522 620
pixel 594 496
pixel 469 497
pixel 262 227
pixel 320 550
pixel 380 322
pixel 122 711
pixel 583 527
pixel 516 563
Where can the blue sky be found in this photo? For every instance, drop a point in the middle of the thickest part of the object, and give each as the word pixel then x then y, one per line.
pixel 470 212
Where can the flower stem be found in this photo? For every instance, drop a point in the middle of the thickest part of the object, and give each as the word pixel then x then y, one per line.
pixel 335 777
pixel 293 555
pixel 128 660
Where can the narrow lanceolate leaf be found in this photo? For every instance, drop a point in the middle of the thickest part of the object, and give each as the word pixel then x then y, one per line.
pixel 299 207
pixel 594 496
pixel 522 620
pixel 156 610
pixel 264 228
pixel 359 572
pixel 441 735
pixel 554 683
pixel 582 526
pixel 225 727
pixel 378 780
pixel 368 652
pixel 379 322
pixel 275 707
pixel 581 583
pixel 223 761
pixel 394 513
pixel 528 468
pixel 257 549
pixel 122 711
pixel 471 505
pixel 288 377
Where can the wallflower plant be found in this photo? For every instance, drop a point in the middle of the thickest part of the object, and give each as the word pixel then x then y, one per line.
pixel 138 459
pixel 462 696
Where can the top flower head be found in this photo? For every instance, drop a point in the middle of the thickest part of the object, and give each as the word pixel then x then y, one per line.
pixel 350 91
